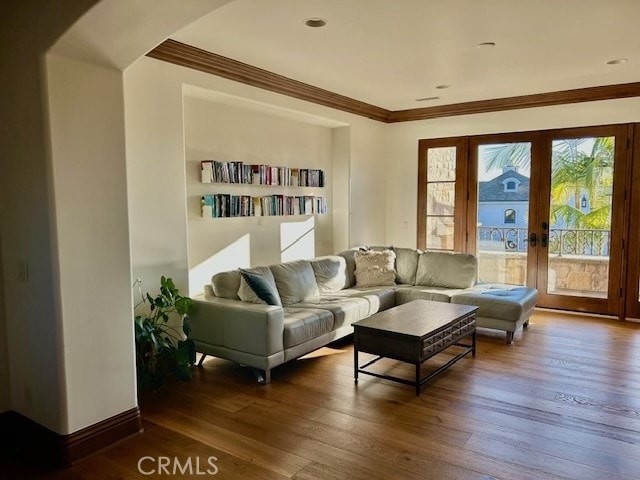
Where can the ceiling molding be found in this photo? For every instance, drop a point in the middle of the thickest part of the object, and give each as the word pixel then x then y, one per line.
pixel 188 56
pixel 578 95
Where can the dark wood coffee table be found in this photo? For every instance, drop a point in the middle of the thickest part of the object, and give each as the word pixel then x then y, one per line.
pixel 414 332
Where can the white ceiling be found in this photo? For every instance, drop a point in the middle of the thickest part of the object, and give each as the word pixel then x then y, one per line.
pixel 390 52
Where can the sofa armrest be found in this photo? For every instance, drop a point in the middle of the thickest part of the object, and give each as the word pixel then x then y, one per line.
pixel 242 326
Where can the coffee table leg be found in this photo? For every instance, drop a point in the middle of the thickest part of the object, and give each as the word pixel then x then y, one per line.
pixel 355 364
pixel 418 378
pixel 473 342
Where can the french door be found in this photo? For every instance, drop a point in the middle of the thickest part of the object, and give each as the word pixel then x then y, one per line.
pixel 552 210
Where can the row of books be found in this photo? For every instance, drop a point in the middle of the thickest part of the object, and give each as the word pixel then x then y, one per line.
pixel 251 174
pixel 226 205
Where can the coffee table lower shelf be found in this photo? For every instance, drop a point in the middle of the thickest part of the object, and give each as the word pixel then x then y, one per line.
pixel 419 380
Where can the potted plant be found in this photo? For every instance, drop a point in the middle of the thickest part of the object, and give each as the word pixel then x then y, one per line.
pixel 163 346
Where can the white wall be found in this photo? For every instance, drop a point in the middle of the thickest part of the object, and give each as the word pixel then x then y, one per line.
pixel 340 204
pixel 402 150
pixel 222 132
pixel 94 302
pixel 32 333
pixel 156 170
pixel 155 177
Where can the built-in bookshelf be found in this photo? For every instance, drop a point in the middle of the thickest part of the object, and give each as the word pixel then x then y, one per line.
pixel 223 205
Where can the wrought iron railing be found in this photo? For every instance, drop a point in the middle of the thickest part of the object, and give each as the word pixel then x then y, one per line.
pixel 562 241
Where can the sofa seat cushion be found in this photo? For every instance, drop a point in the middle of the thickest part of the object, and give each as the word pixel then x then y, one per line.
pixel 504 302
pixel 345 310
pixel 436 294
pixel 379 298
pixel 304 324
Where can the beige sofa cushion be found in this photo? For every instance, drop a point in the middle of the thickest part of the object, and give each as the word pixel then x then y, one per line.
pixel 406 265
pixel 304 324
pixel 436 294
pixel 504 302
pixel 379 298
pixel 345 310
pixel 447 270
pixel 330 273
pixel 375 268
pixel 350 259
pixel 226 284
pixel 295 281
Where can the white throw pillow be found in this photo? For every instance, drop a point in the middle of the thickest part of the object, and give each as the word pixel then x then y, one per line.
pixel 375 268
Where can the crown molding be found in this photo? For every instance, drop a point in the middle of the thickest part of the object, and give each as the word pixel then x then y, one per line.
pixel 563 97
pixel 191 57
pixel 195 58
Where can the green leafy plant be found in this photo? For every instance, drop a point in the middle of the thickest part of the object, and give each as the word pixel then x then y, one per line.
pixel 163 350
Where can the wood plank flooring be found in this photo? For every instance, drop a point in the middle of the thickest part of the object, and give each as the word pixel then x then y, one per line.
pixel 562 402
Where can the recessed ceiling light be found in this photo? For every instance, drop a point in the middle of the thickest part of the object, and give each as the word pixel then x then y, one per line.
pixel 487 44
pixel 443 86
pixel 315 22
pixel 427 99
pixel 617 61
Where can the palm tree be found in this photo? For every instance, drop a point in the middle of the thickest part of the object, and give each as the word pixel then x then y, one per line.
pixel 574 173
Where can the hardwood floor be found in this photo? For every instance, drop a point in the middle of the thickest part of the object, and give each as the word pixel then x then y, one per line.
pixel 562 402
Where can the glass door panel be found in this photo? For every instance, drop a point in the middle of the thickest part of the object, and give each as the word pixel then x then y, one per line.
pixel 441 197
pixel 503 173
pixel 578 231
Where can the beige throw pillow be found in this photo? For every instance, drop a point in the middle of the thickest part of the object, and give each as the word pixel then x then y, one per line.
pixel 375 269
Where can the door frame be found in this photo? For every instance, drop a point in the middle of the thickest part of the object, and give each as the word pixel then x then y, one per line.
pixel 631 301
pixel 460 207
pixel 624 267
pixel 472 208
pixel 611 304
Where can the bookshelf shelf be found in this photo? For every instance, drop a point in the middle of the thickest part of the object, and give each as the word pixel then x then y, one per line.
pixel 225 205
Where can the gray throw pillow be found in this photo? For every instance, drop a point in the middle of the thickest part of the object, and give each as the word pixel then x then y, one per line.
pixel 257 285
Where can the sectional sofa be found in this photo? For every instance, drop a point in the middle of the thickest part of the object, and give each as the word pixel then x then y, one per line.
pixel 314 302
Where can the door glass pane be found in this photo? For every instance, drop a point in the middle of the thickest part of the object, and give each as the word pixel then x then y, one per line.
pixel 441 164
pixel 440 233
pixel 441 198
pixel 503 212
pixel 580 216
pixel 441 186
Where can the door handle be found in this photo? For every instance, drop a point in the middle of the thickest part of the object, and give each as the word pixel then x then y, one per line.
pixel 544 240
pixel 532 240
